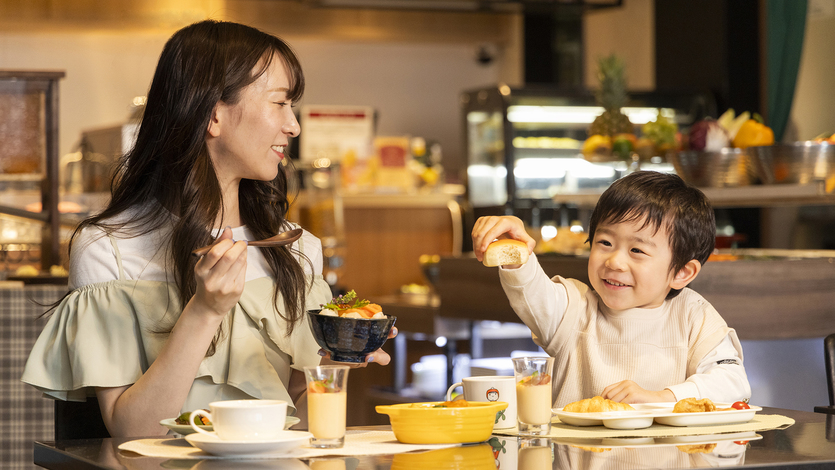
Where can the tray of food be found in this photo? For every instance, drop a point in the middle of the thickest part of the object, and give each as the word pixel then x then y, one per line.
pixel 692 412
pixel 598 411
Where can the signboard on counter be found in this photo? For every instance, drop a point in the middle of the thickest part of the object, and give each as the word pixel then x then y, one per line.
pixel 336 133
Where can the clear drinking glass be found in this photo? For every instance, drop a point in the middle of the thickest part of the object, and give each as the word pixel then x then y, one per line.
pixel 327 392
pixel 533 394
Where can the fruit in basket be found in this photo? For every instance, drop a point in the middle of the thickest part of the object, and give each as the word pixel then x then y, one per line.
pixel 731 123
pixel 743 131
pixel 597 144
pixel 753 133
pixel 662 133
pixel 612 97
pixel 708 135
pixel 623 145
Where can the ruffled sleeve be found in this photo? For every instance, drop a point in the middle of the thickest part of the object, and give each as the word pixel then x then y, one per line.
pixel 100 335
pixel 107 335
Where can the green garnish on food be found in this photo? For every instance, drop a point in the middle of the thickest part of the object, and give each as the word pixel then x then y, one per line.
pixel 346 301
pixel 183 419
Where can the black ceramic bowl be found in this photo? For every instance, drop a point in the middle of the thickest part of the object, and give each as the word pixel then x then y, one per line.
pixel 349 339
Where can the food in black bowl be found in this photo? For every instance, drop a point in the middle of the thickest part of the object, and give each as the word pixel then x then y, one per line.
pixel 349 329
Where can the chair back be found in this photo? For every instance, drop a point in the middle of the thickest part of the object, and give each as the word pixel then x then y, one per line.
pixel 829 361
pixel 79 420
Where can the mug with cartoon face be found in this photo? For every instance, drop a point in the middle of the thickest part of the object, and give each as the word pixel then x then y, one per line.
pixel 491 388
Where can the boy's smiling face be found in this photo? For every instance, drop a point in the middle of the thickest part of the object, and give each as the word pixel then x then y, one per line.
pixel 629 266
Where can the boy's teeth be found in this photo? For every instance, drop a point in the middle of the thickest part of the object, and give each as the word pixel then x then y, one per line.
pixel 615 283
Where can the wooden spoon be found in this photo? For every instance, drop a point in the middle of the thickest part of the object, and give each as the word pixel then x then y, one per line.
pixel 283 238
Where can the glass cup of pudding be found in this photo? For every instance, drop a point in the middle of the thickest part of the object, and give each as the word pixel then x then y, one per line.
pixel 533 394
pixel 327 392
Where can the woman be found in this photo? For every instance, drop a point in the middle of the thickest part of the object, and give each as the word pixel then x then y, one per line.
pixel 148 327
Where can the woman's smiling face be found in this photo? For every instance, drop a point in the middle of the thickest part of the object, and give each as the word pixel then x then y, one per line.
pixel 253 134
pixel 629 266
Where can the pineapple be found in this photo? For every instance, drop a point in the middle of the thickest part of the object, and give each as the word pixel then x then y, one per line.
pixel 611 96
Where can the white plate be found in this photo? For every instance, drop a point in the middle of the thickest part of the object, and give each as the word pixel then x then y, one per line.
pixel 639 418
pixel 287 441
pixel 185 429
pixel 661 413
pixel 708 418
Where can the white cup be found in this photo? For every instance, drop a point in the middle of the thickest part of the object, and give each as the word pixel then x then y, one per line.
pixel 491 388
pixel 244 420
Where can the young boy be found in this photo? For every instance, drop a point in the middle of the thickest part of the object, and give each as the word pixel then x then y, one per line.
pixel 638 335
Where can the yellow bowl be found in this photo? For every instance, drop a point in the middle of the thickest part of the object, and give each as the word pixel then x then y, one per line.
pixel 478 457
pixel 420 423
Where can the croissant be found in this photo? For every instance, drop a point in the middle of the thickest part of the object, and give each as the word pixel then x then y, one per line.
pixel 596 405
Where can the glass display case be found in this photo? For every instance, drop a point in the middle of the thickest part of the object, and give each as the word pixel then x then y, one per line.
pixel 524 145
pixel 29 161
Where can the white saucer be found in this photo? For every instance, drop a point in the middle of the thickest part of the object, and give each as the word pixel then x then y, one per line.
pixel 287 441
pixel 185 429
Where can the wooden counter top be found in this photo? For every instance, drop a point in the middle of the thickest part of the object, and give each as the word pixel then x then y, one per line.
pixel 761 298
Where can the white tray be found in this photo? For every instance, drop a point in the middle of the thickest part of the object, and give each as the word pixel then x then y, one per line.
pixel 708 418
pixel 662 413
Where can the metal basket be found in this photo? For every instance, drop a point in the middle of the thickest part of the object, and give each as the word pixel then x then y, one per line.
pixel 797 163
pixel 724 168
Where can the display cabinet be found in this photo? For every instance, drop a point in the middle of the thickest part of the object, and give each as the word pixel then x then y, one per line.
pixel 523 145
pixel 29 151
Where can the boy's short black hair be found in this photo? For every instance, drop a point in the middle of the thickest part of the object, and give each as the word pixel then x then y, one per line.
pixel 658 198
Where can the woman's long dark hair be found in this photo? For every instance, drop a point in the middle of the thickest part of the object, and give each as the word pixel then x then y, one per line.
pixel 169 171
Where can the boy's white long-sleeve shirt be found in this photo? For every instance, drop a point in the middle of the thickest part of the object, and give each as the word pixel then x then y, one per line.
pixel 684 345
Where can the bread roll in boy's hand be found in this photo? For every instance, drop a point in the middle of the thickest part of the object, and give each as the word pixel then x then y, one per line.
pixel 505 252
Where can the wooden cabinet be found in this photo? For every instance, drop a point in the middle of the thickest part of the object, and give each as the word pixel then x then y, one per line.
pixel 386 235
pixel 372 243
pixel 29 148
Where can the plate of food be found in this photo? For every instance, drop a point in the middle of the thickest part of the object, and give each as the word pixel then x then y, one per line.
pixel 599 411
pixel 703 412
pixel 181 426
pixel 349 327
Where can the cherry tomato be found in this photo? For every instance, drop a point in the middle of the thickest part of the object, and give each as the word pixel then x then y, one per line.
pixel 740 405
pixel 740 443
